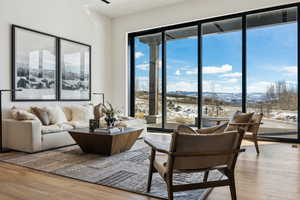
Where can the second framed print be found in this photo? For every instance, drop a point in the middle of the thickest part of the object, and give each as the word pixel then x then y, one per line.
pixel 75 68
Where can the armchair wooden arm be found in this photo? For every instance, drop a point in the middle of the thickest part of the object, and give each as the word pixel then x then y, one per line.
pixel 206 154
pixel 244 124
pixel 218 121
pixel 157 147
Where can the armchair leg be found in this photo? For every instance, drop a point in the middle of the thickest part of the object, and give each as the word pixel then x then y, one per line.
pixel 232 186
pixel 150 173
pixel 170 188
pixel 256 145
pixel 206 173
pixel 170 193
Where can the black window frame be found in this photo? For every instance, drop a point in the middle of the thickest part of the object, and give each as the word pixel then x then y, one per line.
pixel 162 30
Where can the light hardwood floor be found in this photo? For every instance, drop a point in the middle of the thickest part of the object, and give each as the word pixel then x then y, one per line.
pixel 275 174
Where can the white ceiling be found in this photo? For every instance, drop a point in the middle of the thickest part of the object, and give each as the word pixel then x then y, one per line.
pixel 119 8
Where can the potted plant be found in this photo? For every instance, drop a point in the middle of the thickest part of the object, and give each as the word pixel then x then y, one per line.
pixel 110 114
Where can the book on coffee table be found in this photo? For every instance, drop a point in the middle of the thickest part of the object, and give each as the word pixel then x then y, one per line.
pixel 108 130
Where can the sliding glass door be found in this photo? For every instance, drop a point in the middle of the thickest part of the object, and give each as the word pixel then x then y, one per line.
pixel 182 77
pixel 272 87
pixel 221 69
pixel 148 77
pixel 199 72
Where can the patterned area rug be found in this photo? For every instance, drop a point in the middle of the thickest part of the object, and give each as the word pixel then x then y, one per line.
pixel 127 171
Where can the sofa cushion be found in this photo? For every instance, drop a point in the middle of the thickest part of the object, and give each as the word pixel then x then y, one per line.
pixel 56 128
pixel 42 114
pixel 82 113
pixel 20 114
pixel 50 129
pixel 79 124
pixel 68 112
pixel 56 115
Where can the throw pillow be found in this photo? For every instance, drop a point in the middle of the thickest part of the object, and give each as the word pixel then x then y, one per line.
pixel 56 115
pixel 22 114
pixel 68 113
pixel 42 114
pixel 82 113
pixel 238 117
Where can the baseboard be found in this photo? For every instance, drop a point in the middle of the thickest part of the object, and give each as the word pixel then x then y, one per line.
pixel 4 150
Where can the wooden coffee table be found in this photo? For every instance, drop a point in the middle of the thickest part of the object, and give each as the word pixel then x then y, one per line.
pixel 105 143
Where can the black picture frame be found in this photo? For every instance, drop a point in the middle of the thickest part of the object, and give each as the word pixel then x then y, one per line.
pixel 14 97
pixel 88 49
pixel 37 81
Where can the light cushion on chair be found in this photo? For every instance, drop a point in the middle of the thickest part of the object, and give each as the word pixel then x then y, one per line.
pixel 56 115
pixel 160 164
pixel 238 117
pixel 184 129
pixel 215 129
pixel 256 118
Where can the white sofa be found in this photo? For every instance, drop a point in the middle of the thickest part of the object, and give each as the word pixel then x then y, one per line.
pixel 31 136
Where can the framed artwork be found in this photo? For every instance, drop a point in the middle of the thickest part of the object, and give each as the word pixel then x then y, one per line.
pixel 34 60
pixel 74 73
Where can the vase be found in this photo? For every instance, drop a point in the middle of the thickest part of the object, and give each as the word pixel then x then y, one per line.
pixel 110 122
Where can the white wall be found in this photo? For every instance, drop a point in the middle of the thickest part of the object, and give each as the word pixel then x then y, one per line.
pixel 65 18
pixel 183 12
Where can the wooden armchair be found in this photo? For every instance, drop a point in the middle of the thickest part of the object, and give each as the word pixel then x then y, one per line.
pixel 252 130
pixel 250 122
pixel 196 153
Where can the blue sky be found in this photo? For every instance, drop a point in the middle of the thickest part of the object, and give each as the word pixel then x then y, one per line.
pixel 271 56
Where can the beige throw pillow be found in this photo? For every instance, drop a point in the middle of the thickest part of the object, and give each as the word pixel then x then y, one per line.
pixel 68 113
pixel 82 113
pixel 22 114
pixel 56 115
pixel 42 114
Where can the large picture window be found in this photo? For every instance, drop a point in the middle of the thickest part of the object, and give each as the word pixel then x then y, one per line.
pixel 201 71
pixel 272 71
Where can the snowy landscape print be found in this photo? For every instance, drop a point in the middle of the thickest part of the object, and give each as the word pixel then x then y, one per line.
pixel 35 66
pixel 75 71
pixel 271 77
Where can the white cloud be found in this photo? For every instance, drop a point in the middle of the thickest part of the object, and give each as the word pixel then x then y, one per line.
pixel 177 73
pixel 143 67
pixel 142 78
pixel 212 70
pixel 219 87
pixel 139 54
pixel 142 83
pixel 182 86
pixel 217 69
pixel 234 74
pixel 260 86
pixel 191 72
pixel 289 70
pixel 232 80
